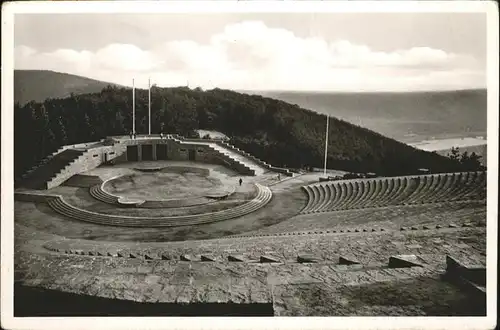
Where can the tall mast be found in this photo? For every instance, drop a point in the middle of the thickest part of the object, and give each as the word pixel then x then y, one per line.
pixel 149 104
pixel 133 106
pixel 326 143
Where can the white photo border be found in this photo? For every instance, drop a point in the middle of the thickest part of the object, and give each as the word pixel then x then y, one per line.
pixel 10 9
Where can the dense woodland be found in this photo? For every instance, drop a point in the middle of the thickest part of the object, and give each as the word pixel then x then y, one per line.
pixel 277 132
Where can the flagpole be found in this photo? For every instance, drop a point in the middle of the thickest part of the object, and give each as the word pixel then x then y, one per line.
pixel 326 143
pixel 133 106
pixel 149 103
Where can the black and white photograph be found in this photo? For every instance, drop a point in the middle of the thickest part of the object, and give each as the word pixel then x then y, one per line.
pixel 309 163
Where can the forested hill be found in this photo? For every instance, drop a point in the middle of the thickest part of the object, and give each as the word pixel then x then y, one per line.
pixel 277 132
pixel 39 85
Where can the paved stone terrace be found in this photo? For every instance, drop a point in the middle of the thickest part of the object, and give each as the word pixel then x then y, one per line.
pixel 293 288
pixel 366 247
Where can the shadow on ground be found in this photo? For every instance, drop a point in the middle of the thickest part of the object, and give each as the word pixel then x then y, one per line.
pixel 434 297
pixel 29 302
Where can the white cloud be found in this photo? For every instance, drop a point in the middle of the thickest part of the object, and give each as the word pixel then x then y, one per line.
pixel 250 55
pixel 125 57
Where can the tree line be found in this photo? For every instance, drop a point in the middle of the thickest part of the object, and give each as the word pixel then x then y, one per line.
pixel 469 162
pixel 279 133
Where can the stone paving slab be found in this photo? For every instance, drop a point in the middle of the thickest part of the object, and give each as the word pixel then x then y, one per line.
pixel 169 282
pixel 293 288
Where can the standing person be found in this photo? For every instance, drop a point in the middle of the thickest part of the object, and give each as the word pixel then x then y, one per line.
pixel 241 181
pixel 279 176
pixel 130 134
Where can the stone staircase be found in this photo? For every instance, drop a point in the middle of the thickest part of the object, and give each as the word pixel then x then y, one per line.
pixel 81 147
pixel 233 154
pixel 20 178
pixel 254 159
pixel 49 168
pixel 180 278
pixel 101 195
pixel 343 263
pixel 252 165
pixel 225 157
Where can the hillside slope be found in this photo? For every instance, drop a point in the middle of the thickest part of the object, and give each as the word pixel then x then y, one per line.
pixel 39 85
pixel 275 131
pixel 407 117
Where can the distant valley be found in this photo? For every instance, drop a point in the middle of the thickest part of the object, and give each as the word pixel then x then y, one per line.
pixel 407 117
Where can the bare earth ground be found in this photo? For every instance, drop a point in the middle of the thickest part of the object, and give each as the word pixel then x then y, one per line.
pixel 165 184
pixel 287 201
pixel 161 185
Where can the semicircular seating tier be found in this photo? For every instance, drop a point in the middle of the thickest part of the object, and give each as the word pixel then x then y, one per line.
pixel 58 204
pixel 98 192
pixel 407 190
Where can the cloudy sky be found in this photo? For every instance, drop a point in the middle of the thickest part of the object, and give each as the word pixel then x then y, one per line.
pixel 287 51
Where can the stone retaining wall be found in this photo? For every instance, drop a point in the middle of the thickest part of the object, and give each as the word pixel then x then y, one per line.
pixel 91 159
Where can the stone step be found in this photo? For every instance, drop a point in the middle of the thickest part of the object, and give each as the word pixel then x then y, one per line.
pixel 263 197
pixel 381 192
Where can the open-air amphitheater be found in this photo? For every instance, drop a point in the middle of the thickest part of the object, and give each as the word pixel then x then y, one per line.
pixel 163 224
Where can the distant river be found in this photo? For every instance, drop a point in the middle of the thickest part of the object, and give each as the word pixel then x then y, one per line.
pixel 434 145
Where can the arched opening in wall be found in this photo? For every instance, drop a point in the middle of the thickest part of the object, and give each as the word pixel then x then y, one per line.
pixel 132 154
pixel 147 152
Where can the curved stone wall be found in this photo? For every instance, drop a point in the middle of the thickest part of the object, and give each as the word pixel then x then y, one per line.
pixel 59 205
